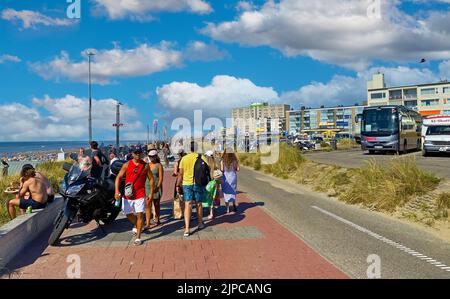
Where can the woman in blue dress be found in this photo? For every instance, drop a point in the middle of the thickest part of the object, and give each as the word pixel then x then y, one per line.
pixel 229 166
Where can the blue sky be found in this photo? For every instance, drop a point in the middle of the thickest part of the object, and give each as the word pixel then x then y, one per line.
pixel 163 59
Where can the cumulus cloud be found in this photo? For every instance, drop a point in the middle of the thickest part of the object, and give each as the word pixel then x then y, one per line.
pixel 348 33
pixel 227 92
pixel 11 58
pixel 106 64
pixel 245 6
pixel 348 90
pixel 32 19
pixel 217 98
pixel 200 51
pixel 142 10
pixel 62 119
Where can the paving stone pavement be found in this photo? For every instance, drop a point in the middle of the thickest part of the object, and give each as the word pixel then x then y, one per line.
pixel 247 244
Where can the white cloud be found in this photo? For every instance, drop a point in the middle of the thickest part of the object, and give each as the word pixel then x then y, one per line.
pixel 217 98
pixel 348 90
pixel 340 90
pixel 245 6
pixel 33 19
pixel 142 10
pixel 5 58
pixel 199 51
pixel 63 119
pixel 107 64
pixel 340 32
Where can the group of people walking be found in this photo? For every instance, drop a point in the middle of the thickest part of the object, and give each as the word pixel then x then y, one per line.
pixel 200 183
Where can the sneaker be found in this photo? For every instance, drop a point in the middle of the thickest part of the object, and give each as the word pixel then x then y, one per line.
pixel 201 226
pixel 134 230
pixel 137 242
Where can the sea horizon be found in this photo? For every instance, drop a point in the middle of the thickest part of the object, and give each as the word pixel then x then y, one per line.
pixel 8 147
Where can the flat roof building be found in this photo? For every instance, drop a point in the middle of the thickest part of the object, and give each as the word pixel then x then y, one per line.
pixel 427 99
pixel 260 118
pixel 324 119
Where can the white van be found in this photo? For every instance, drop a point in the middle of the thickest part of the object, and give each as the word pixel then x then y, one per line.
pixel 436 135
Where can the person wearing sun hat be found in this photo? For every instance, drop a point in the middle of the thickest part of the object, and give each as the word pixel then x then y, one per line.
pixel 158 176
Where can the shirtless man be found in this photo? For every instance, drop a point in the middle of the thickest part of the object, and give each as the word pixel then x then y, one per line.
pixel 43 178
pixel 38 194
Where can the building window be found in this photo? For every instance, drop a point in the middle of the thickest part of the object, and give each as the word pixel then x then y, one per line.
pixel 428 91
pixel 447 89
pixel 411 104
pixel 378 95
pixel 434 102
pixel 446 112
pixel 395 95
pixel 410 93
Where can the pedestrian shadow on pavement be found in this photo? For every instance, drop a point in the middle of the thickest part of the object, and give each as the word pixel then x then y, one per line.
pixel 171 226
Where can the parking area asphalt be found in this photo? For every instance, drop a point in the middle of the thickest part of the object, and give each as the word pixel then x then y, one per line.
pixel 438 164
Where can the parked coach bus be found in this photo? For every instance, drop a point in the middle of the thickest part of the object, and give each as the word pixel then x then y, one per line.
pixel 391 128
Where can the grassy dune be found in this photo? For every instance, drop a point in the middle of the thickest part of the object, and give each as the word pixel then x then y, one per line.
pixel 375 186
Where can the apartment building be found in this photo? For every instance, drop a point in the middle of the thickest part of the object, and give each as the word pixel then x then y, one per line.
pixel 324 119
pixel 427 99
pixel 260 118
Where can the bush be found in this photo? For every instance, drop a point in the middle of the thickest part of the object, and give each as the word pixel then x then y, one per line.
pixel 289 160
pixel 386 188
pixel 443 204
pixel 324 144
pixel 347 143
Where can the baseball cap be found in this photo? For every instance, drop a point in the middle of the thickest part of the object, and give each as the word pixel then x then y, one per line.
pixel 209 153
pixel 153 153
pixel 137 150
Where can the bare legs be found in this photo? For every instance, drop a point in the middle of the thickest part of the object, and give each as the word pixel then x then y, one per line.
pixel 11 206
pixel 187 215
pixel 137 221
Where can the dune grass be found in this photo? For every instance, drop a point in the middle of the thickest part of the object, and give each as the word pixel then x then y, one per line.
pixel 347 143
pixel 53 171
pixel 387 187
pixel 378 187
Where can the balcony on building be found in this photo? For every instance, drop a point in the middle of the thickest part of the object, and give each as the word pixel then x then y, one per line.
pixel 395 95
pixel 410 94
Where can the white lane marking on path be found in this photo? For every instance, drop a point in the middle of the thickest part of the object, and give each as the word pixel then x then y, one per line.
pixel 399 246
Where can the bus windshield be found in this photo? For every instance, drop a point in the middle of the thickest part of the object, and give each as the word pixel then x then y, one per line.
pixel 380 122
pixel 439 130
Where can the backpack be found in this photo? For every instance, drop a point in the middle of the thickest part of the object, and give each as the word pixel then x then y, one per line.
pixel 202 174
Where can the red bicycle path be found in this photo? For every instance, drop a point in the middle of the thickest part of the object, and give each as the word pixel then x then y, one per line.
pixel 268 251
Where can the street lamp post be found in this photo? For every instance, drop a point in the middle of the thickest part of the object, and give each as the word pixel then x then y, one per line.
pixel 118 124
pixel 90 54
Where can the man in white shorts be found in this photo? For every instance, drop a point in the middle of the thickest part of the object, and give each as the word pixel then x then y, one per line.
pixel 136 173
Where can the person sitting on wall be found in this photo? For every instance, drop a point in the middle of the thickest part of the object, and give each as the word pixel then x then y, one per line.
pixel 37 190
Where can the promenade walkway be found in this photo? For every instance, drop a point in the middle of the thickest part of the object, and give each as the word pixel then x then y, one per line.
pixel 249 244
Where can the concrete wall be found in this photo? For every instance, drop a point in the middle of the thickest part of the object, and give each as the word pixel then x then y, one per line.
pixel 20 232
